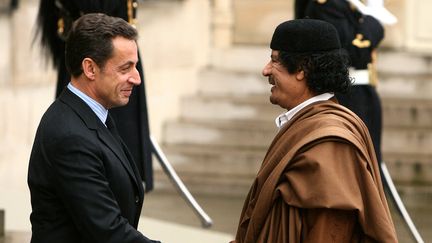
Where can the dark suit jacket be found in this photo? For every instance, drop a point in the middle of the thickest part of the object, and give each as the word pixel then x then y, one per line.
pixel 83 182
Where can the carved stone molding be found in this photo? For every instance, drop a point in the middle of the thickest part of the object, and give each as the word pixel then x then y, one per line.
pixel 419 25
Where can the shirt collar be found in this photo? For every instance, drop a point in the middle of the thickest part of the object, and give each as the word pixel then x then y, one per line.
pixel 97 108
pixel 285 117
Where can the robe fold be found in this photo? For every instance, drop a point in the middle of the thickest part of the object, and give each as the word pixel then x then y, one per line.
pixel 319 182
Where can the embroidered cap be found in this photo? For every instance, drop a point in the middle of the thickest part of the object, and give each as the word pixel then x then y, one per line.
pixel 301 36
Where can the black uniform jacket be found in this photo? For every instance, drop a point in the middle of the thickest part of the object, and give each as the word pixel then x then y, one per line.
pixel 84 185
pixel 349 23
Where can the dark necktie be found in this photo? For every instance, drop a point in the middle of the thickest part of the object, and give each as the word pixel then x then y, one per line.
pixel 113 130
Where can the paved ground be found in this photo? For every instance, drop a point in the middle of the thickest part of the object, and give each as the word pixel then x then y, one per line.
pixel 225 213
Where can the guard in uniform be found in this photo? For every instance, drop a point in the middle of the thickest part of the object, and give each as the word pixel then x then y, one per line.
pixel 14 4
pixel 55 18
pixel 360 35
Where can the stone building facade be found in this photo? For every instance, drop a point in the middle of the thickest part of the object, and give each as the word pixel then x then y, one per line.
pixel 178 40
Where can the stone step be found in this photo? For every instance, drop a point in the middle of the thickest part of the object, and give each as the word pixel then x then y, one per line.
pixel 237 70
pixel 215 160
pixel 403 85
pixel 407 154
pixel 259 134
pixel 246 161
pixel 407 111
pixel 217 81
pixel 405 168
pixel 253 59
pixel 404 63
pixel 230 171
pixel 219 133
pixel 415 195
pixel 251 107
pixel 221 81
pixel 210 170
pixel 230 160
pixel 397 111
pixel 202 184
pixel 219 173
pixel 407 140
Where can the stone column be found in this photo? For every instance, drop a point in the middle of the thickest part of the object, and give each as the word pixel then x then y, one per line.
pixel 222 23
pixel 5 46
pixel 27 62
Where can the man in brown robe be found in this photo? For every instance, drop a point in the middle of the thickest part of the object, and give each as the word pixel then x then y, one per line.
pixel 319 181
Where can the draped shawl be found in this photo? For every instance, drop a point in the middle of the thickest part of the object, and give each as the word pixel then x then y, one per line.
pixel 321 166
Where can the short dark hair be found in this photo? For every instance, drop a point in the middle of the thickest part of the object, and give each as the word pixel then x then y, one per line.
pixel 324 71
pixel 91 36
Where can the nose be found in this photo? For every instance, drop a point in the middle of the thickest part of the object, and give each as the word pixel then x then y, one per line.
pixel 135 78
pixel 266 70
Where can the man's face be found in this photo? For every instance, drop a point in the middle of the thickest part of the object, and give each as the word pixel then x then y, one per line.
pixel 114 83
pixel 288 89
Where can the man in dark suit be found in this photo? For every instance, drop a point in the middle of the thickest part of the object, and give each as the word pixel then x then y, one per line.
pixel 52 27
pixel 84 184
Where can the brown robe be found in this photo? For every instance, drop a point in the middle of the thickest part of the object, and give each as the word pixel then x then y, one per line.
pixel 319 182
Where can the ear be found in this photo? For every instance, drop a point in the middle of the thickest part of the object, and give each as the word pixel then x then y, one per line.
pixel 300 75
pixel 89 68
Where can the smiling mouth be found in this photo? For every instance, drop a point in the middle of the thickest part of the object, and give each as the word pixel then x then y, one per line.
pixel 271 81
pixel 127 92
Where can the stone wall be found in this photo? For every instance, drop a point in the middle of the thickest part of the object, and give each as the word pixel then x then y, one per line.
pixel 254 21
pixel 174 44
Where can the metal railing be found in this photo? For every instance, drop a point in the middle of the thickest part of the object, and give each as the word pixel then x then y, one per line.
pixel 388 183
pixel 206 221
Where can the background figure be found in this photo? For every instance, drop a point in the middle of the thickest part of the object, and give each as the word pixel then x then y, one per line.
pixel 360 35
pixel 55 18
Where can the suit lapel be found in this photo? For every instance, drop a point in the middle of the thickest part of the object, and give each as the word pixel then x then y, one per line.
pixel 93 123
pixel 124 153
pixel 134 168
pixel 106 137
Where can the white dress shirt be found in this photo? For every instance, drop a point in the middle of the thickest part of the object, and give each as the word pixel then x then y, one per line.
pixel 285 117
pixel 97 108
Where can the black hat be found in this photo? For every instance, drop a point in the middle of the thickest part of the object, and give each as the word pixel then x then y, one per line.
pixel 301 36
